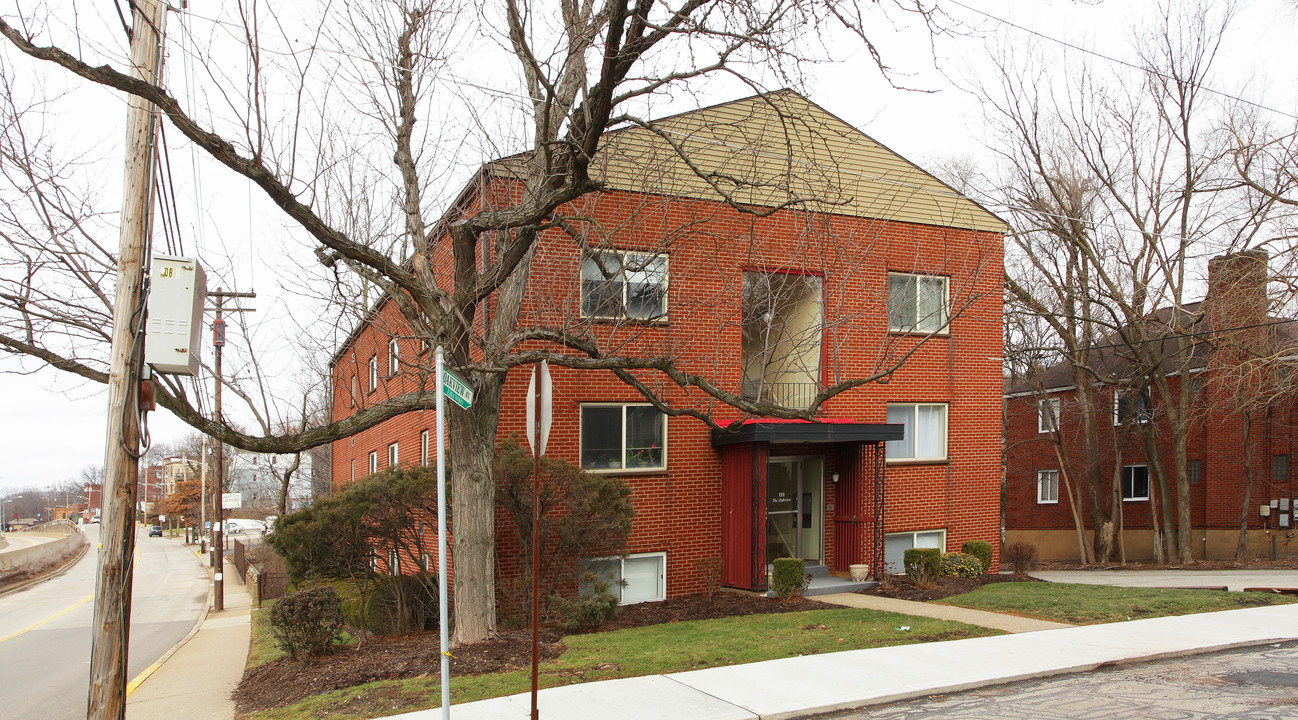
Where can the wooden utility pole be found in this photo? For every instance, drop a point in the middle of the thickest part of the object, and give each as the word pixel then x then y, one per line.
pixel 218 513
pixel 112 618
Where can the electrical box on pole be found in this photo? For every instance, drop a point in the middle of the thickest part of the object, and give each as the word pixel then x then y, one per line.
pixel 177 290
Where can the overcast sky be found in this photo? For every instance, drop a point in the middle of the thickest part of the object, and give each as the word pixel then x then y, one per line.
pixel 52 426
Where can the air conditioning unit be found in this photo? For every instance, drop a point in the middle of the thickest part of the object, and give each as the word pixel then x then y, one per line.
pixel 173 336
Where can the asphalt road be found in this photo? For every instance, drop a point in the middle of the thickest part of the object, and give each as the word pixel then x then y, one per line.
pixel 1247 684
pixel 45 629
pixel 22 540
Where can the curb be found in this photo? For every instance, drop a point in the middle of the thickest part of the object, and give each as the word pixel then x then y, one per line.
pixel 24 584
pixel 147 672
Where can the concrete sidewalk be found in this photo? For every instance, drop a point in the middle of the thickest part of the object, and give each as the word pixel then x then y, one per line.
pixel 1229 579
pixel 796 687
pixel 998 621
pixel 195 679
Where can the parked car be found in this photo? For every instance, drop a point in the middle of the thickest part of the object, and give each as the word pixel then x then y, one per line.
pixel 155 531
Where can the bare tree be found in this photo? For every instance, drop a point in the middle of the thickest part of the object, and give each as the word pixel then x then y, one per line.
pixel 348 134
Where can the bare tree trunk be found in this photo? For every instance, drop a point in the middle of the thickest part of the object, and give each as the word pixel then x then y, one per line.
pixel 473 512
pixel 1084 550
pixel 1161 520
pixel 1246 510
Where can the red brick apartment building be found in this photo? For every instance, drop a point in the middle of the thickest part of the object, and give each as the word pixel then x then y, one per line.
pixel 898 274
pixel 1242 423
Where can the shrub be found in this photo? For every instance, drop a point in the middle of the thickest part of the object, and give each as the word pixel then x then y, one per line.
pixel 961 565
pixel 923 564
pixel 789 577
pixel 980 549
pixel 307 622
pixel 710 569
pixel 404 603
pixel 1021 557
pixel 596 607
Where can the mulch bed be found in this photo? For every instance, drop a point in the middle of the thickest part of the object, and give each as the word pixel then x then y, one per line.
pixel 286 681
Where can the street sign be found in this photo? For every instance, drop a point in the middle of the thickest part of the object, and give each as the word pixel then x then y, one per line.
pixel 231 501
pixel 456 389
pixel 543 371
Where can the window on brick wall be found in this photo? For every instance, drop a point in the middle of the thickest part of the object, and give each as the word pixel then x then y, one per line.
pixel 1047 415
pixel 923 434
pixel 1047 486
pixel 917 303
pixel 1194 471
pixel 1131 406
pixel 353 478
pixel 1135 483
pixel 394 357
pixel 620 285
pixel 374 372
pixel 374 461
pixel 423 447
pixel 1279 468
pixel 394 562
pixel 392 455
pixel 633 579
pixel 623 437
pixel 895 546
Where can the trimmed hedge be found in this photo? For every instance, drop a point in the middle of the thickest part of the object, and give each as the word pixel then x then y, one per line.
pixel 788 577
pixel 961 565
pixel 923 562
pixel 980 549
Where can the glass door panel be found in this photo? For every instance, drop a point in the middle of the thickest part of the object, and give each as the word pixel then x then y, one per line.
pixel 782 512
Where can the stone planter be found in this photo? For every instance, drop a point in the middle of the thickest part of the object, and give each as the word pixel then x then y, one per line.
pixel 859 573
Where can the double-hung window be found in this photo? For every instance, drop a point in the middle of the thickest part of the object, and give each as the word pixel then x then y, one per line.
pixel 1047 415
pixel 1047 486
pixel 1135 483
pixel 374 461
pixel 623 437
pixel 392 455
pixel 423 447
pixel 917 303
pixel 923 434
pixel 624 285
pixel 1130 406
pixel 394 357
pixel 374 373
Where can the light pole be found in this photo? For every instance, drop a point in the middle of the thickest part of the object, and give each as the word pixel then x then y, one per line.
pixel 4 524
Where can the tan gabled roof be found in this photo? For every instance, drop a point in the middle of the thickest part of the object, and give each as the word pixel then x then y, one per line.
pixel 778 148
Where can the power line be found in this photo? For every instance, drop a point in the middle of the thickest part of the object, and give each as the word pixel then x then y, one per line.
pixel 1118 61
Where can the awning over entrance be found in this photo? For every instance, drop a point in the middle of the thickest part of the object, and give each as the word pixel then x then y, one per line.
pixel 775 431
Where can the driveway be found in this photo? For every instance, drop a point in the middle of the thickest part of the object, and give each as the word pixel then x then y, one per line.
pixel 1230 579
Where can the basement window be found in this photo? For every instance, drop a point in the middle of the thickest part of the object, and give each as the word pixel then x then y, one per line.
pixel 633 579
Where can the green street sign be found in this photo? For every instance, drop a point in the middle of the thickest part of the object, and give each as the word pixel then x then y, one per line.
pixel 456 389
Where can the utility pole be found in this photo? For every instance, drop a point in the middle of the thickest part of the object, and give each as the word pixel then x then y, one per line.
pixel 218 513
pixel 112 616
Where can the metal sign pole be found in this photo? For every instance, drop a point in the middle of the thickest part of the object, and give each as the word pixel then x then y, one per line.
pixel 442 621
pixel 538 431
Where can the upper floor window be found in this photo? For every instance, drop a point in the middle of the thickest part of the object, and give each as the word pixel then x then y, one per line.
pixel 1194 471
pixel 1047 486
pixel 1135 482
pixel 392 455
pixel 624 285
pixel 1130 406
pixel 423 447
pixel 394 357
pixel 374 373
pixel 917 303
pixel 374 461
pixel 924 433
pixel 1047 415
pixel 623 437
pixel 1280 468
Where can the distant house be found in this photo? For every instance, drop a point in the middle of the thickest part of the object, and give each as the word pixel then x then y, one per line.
pixel 1239 465
pixel 773 307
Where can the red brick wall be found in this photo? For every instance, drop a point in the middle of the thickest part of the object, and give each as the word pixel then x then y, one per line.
pixel 710 245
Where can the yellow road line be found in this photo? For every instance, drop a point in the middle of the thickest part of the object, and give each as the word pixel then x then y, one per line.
pixel 58 614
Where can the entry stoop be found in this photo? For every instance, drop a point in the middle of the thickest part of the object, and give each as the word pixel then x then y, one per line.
pixel 822 583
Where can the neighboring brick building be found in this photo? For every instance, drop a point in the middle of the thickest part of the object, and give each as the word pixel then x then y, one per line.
pixel 1243 359
pixel 896 266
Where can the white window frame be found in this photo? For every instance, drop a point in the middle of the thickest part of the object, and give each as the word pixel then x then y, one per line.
pixel 374 461
pixel 622 468
pixel 394 562
pixel 394 357
pixel 374 372
pixel 423 447
pixel 353 470
pixel 943 325
pixel 893 446
pixel 1133 497
pixel 617 585
pixel 1047 487
pixel 1048 415
pixel 1142 414
pixel 394 455
pixel 896 567
pixel 641 258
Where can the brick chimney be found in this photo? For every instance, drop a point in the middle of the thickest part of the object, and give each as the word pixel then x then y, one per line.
pixel 1237 296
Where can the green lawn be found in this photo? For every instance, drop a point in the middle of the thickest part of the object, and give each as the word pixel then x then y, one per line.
pixel 1089 604
pixel 655 649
